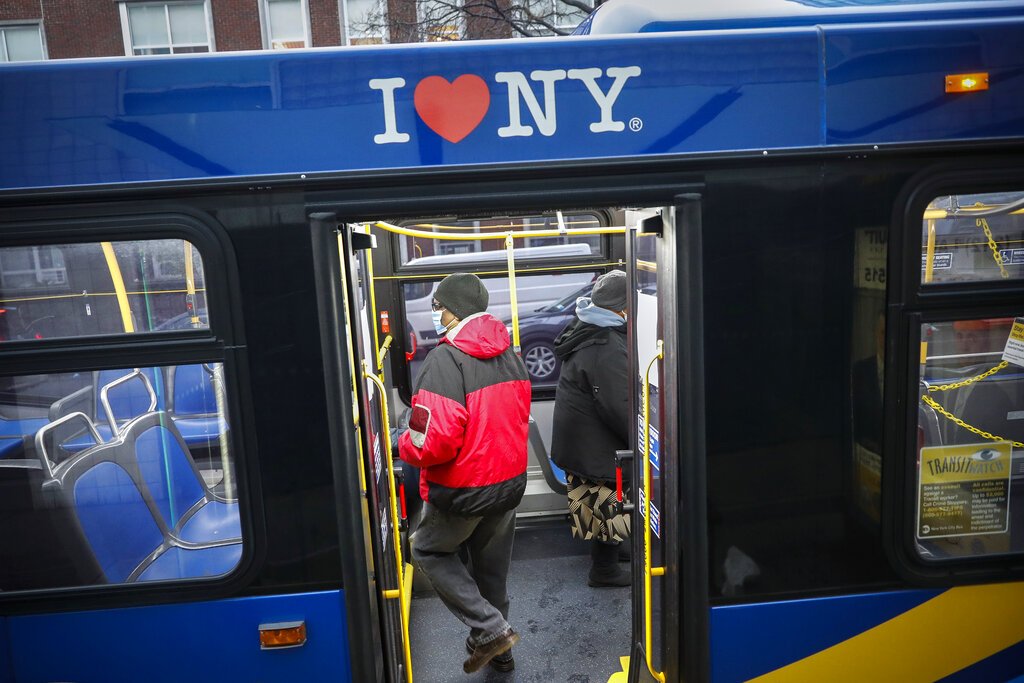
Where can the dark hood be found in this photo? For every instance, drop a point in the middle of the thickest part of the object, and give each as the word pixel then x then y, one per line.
pixel 579 335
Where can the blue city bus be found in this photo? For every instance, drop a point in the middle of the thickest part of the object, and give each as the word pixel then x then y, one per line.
pixel 215 271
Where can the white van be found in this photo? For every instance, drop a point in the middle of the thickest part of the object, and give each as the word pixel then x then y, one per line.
pixel 533 290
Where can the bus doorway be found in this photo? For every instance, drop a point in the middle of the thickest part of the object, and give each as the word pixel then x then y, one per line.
pixel 534 284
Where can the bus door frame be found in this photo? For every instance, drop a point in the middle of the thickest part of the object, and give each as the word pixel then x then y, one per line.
pixel 685 641
pixel 343 383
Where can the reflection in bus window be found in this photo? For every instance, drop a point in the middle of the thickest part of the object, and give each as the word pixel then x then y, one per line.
pixel 973 238
pixel 546 306
pixel 420 251
pixel 116 476
pixel 970 432
pixel 77 290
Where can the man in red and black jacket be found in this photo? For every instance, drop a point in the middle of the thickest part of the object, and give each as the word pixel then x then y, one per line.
pixel 468 432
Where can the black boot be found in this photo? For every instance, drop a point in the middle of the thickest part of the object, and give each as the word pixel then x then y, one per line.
pixel 606 571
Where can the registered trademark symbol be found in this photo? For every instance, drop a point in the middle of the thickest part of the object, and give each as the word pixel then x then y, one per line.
pixel 635 124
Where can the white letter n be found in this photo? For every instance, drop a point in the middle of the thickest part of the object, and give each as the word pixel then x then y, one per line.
pixel 519 89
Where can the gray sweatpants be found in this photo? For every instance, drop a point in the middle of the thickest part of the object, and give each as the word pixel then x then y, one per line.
pixel 476 594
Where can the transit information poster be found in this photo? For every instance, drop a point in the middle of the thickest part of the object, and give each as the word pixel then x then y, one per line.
pixel 964 490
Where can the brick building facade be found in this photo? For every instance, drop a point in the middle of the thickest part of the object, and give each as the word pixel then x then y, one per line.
pixel 60 29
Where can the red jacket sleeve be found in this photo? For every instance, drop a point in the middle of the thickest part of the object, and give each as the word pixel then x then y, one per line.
pixel 435 437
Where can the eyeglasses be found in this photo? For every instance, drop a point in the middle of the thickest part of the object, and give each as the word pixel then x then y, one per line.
pixel 436 306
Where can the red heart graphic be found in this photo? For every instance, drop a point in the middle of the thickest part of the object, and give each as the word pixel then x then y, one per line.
pixel 452 110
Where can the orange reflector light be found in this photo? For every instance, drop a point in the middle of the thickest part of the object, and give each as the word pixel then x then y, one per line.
pixel 967 82
pixel 289 634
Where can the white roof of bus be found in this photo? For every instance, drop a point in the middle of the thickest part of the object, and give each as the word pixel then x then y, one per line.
pixel 633 16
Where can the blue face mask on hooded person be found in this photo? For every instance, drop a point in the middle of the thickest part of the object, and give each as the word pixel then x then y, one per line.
pixel 438 326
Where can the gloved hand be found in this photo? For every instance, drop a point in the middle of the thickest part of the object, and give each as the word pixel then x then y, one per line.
pixel 397 431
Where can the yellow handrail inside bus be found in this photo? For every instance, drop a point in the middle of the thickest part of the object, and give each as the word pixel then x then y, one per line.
pixel 119 288
pixel 964 212
pixel 521 234
pixel 513 298
pixel 649 570
pixel 399 592
pixel 383 352
pixel 929 271
pixel 503 227
pixel 190 283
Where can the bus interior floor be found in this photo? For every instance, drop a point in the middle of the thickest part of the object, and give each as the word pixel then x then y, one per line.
pixel 570 631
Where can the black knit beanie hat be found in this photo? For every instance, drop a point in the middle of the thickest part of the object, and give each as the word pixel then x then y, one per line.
pixel 463 294
pixel 610 291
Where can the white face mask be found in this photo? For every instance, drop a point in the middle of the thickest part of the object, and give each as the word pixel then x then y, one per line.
pixel 438 326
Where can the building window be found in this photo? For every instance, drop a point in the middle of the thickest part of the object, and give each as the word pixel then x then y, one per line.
pixel 286 24
pixel 366 22
pixel 165 28
pixel 563 15
pixel 21 43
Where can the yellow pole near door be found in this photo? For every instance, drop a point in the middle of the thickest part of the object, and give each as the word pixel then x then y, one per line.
pixel 513 299
pixel 190 283
pixel 649 570
pixel 929 270
pixel 119 288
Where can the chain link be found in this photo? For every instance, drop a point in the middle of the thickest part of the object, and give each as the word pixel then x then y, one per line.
pixel 983 224
pixel 959 422
pixel 972 380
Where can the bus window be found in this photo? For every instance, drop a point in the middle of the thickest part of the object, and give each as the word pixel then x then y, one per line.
pixel 79 290
pixel 973 238
pixel 970 460
pixel 420 251
pixel 124 477
pixel 547 303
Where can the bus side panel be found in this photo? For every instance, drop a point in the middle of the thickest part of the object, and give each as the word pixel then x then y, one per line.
pixel 6 667
pixel 905 100
pixel 202 641
pixel 754 639
pixel 925 635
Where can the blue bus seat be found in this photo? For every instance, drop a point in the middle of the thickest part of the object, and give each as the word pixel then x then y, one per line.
pixel 186 505
pixel 129 393
pixel 120 523
pixel 193 404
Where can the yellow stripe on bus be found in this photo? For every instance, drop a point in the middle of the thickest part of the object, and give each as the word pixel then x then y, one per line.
pixel 950 632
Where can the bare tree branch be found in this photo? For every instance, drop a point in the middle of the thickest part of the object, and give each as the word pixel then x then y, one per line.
pixel 433 20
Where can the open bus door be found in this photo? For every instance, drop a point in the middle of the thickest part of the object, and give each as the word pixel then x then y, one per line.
pixel 378 620
pixel 670 602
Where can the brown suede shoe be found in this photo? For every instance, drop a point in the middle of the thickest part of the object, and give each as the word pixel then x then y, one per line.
pixel 483 654
pixel 504 662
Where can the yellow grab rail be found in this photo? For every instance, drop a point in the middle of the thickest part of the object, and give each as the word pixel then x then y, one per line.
pixel 119 289
pixel 649 570
pixel 513 297
pixel 383 352
pixel 190 283
pixel 399 592
pixel 929 272
pixel 521 234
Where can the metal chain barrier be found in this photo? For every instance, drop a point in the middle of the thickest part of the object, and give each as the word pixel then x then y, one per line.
pixel 983 224
pixel 956 385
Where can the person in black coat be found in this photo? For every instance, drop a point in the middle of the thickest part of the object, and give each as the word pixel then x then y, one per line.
pixel 592 420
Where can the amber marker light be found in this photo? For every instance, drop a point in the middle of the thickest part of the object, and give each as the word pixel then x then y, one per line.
pixel 276 636
pixel 967 82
